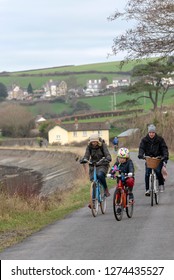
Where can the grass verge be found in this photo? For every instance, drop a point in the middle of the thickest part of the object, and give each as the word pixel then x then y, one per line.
pixel 20 217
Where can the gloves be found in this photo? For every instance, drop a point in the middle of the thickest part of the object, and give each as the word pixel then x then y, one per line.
pixel 130 174
pixel 140 156
pixel 83 160
pixel 164 161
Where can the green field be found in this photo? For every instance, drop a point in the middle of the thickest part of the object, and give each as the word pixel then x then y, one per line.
pixel 110 70
pixel 37 82
pixel 104 67
pixel 39 77
pixel 99 103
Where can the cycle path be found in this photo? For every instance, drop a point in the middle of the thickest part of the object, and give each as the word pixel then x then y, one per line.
pixel 147 235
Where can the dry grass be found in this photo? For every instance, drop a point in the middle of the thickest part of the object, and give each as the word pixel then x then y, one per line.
pixel 164 127
pixel 21 215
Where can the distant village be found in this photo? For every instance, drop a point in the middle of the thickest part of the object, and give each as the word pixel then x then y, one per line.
pixel 54 89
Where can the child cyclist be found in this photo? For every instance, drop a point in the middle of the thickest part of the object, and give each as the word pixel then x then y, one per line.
pixel 125 165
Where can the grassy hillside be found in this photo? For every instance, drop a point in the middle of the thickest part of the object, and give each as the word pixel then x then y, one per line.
pixel 99 103
pixel 103 67
pixel 40 76
pixel 81 74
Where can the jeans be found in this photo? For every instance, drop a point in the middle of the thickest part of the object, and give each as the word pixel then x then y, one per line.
pixel 102 179
pixel 158 173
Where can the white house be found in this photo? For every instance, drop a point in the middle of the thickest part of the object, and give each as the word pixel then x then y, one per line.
pixel 55 88
pixel 77 132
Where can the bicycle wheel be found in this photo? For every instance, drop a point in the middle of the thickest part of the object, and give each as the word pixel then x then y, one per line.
pixel 156 191
pixel 151 185
pixel 94 200
pixel 102 199
pixel 129 207
pixel 117 205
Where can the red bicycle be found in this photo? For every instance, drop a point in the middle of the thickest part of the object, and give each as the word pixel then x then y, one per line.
pixel 121 197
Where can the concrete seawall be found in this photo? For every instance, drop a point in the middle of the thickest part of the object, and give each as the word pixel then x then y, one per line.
pixel 38 171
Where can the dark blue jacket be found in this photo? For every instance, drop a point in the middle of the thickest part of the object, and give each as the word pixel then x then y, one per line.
pixel 126 167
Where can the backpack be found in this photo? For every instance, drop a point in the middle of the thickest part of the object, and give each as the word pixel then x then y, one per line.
pixel 101 140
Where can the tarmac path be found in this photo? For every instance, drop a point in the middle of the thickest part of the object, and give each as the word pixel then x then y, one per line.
pixel 148 235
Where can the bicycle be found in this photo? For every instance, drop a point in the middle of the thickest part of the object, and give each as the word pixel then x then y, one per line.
pixel 153 162
pixel 97 192
pixel 116 147
pixel 121 197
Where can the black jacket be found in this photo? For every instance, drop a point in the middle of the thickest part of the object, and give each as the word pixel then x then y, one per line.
pixel 153 147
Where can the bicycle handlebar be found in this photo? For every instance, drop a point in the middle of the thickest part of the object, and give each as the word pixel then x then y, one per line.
pixel 159 157
pixel 123 176
pixel 103 159
pixel 144 157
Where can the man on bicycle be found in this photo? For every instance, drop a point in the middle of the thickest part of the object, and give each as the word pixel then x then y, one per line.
pixel 95 151
pixel 153 145
pixel 115 143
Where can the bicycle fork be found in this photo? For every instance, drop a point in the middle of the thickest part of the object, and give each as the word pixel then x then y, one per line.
pixel 96 193
pixel 153 182
pixel 119 197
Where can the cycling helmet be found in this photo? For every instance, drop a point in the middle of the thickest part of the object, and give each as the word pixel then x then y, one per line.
pixel 123 153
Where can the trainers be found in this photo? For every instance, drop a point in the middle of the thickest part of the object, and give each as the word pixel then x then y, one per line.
pixel 107 193
pixel 161 188
pixel 147 193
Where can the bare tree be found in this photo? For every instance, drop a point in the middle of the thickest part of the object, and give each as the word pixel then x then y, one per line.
pixel 153 34
pixel 149 81
pixel 15 120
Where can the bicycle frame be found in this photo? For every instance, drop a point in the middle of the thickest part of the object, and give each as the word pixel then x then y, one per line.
pixel 116 147
pixel 97 193
pixel 97 196
pixel 153 187
pixel 120 199
pixel 153 163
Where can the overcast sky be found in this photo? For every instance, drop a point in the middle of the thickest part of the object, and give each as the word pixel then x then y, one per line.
pixel 47 33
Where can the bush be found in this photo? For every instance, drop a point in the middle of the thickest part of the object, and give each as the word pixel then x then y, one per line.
pixel 164 127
